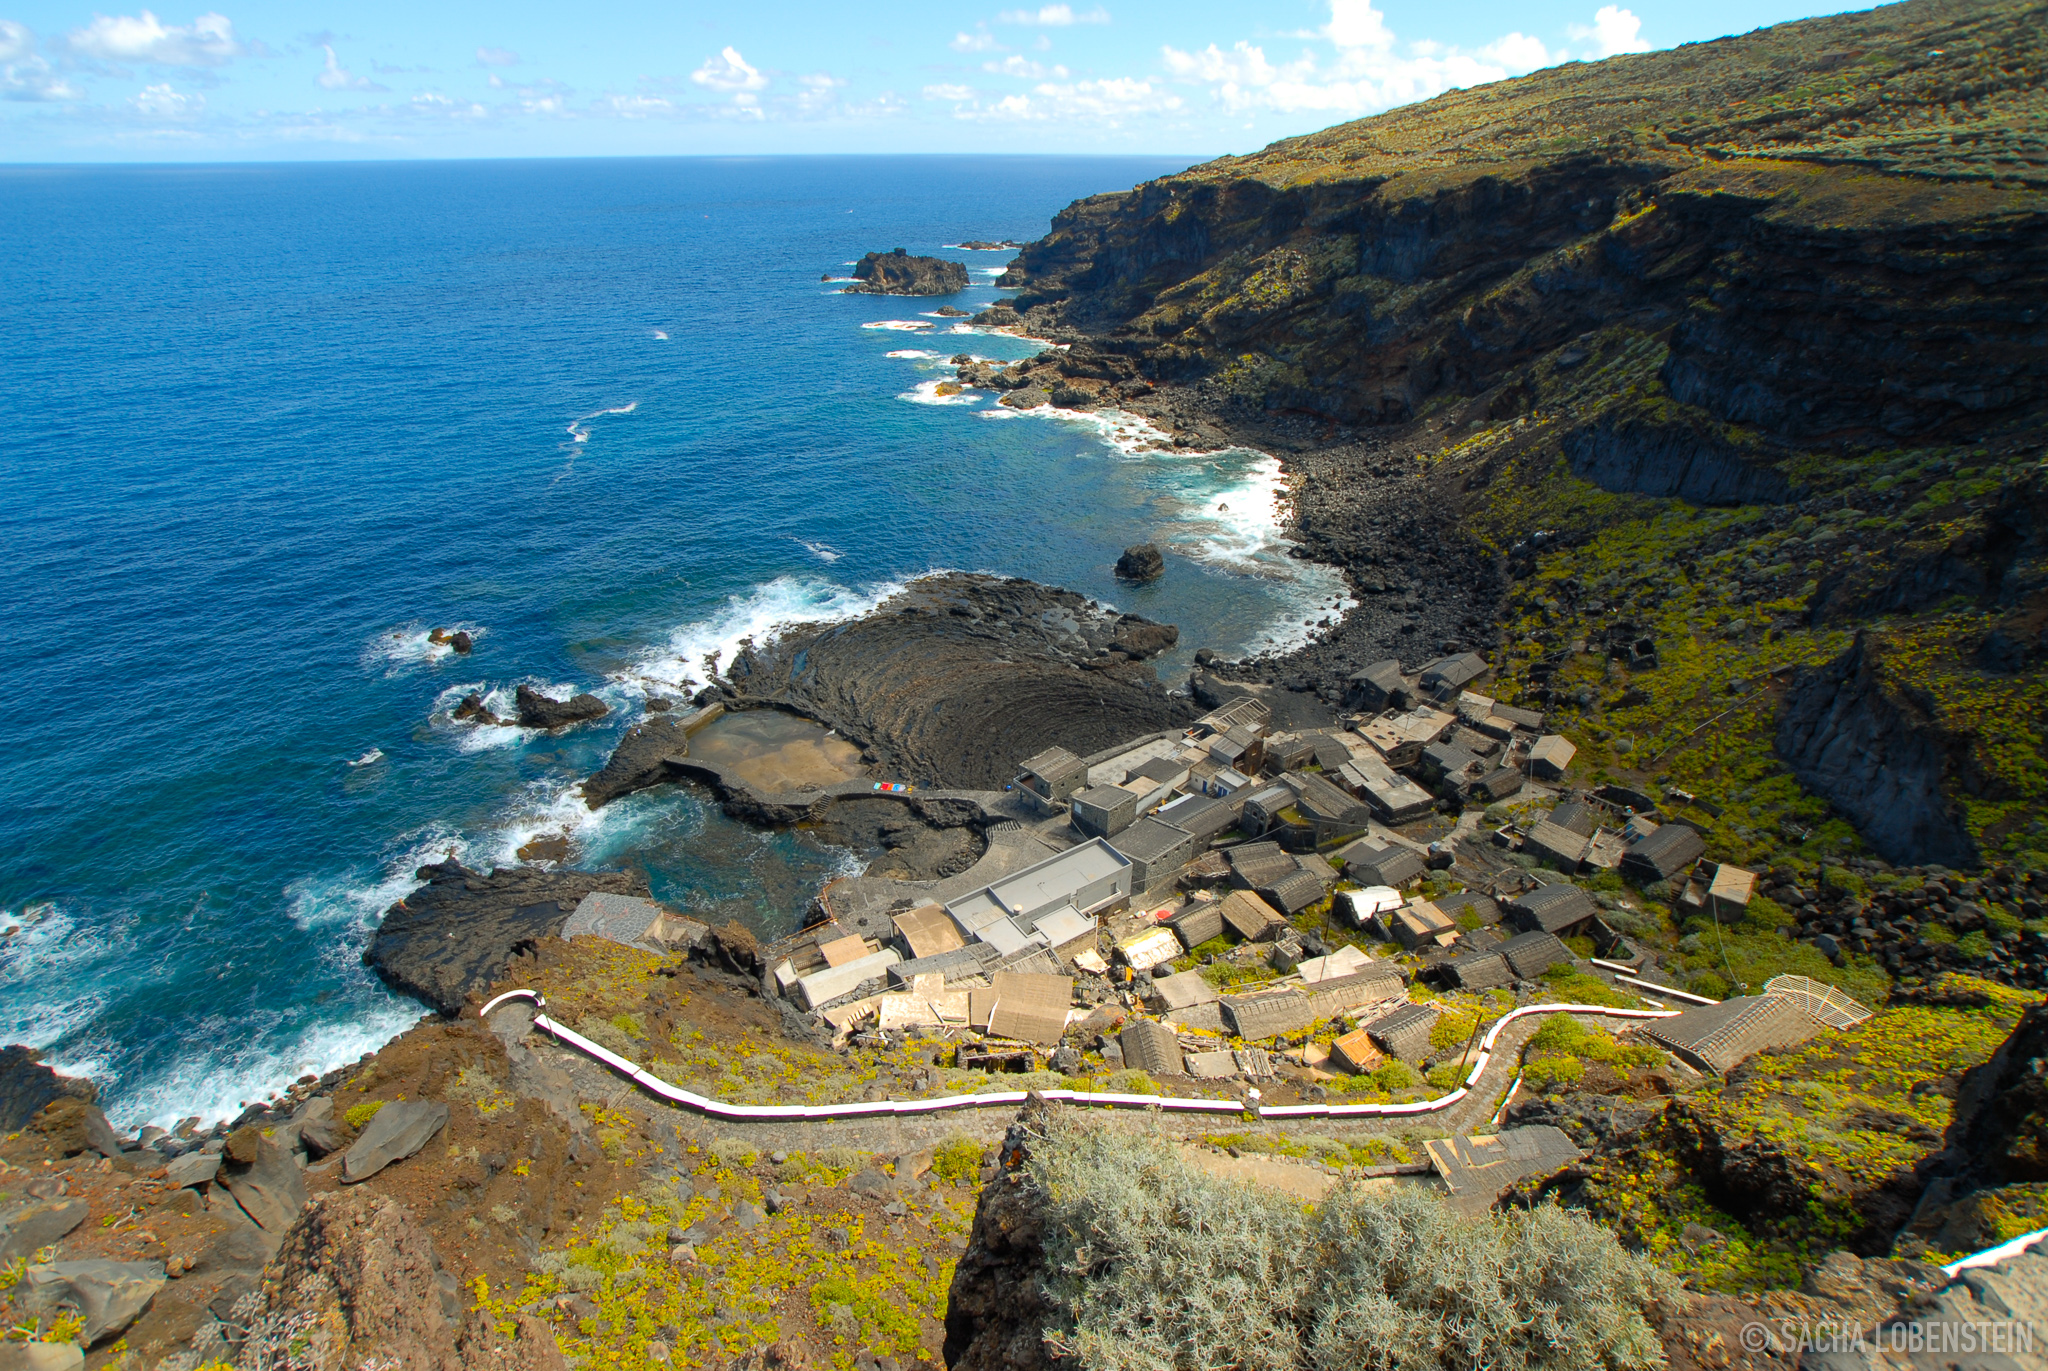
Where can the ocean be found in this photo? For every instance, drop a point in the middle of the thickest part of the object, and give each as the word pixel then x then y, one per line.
pixel 270 425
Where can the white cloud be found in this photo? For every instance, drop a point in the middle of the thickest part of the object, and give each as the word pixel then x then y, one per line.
pixel 1614 30
pixel 24 74
pixel 637 106
pixel 728 71
pixel 956 94
pixel 1368 73
pixel 208 41
pixel 1055 16
pixel 975 42
pixel 1242 65
pixel 496 57
pixel 1356 24
pixel 162 102
pixel 1014 65
pixel 1517 52
pixel 338 77
pixel 815 92
pixel 1107 103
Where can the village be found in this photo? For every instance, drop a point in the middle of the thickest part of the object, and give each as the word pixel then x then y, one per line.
pixel 1320 921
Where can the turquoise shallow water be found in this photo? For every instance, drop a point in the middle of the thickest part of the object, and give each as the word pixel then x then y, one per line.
pixel 268 425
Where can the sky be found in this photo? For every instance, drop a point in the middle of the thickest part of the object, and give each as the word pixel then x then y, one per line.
pixel 376 79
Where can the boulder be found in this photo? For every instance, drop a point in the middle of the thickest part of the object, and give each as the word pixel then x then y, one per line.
pixel 949 312
pixel 461 641
pixel 41 1356
pixel 540 711
pixel 194 1168
pixel 898 273
pixel 108 1294
pixel 270 1188
pixel 1141 563
pixel 26 1085
pixel 399 1129
pixel 37 1225
pixel 71 1126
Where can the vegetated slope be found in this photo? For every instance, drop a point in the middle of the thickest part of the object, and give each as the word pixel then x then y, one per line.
pixel 1796 279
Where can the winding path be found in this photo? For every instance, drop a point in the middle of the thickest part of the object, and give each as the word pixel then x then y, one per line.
pixel 1011 1099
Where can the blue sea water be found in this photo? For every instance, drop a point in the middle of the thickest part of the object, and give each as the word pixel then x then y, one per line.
pixel 268 425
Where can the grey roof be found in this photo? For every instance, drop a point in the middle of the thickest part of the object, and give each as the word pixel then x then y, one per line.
pixel 1453 671
pixel 1150 1047
pixel 1663 854
pixel 1295 891
pixel 1269 1015
pixel 1498 785
pixel 1484 906
pixel 1716 1037
pixel 1108 798
pixel 1201 815
pixel 1257 865
pixel 1330 754
pixel 1479 1169
pixel 1199 923
pixel 1448 759
pixel 1520 718
pixel 1395 866
pixel 1325 801
pixel 1405 1032
pixel 972 960
pixel 1531 954
pixel 1159 769
pixel 1555 846
pixel 1477 970
pixel 1386 675
pixel 1054 763
pixel 1576 816
pixel 1148 840
pixel 1552 908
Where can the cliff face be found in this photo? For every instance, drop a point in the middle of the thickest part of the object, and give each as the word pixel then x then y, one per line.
pixel 1800 275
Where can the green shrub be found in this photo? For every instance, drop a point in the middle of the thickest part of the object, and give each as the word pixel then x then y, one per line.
pixel 1153 1265
pixel 1394 1074
pixel 734 1151
pixel 360 1114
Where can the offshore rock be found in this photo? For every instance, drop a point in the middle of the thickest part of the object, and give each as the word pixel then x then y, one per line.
pixel 458 933
pixel 539 711
pixel 958 677
pixel 898 273
pixel 1141 563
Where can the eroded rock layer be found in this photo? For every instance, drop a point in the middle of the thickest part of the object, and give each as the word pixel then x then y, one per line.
pixel 960 677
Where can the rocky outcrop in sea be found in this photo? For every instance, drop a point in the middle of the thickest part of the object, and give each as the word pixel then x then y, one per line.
pixel 896 272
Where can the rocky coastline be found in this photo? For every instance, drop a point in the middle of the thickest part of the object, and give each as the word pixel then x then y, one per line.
pixel 1592 406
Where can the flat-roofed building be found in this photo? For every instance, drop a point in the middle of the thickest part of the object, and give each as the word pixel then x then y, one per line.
pixel 1052 777
pixel 1393 798
pixel 1400 738
pixel 1103 811
pixel 1156 851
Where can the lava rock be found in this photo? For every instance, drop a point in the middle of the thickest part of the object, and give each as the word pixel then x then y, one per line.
pixel 26 1085
pixel 110 1295
pixel 34 1226
pixel 1141 563
pixel 540 711
pixel 639 761
pixel 458 933
pixel 896 272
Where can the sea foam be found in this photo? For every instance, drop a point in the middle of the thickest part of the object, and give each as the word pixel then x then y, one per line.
pixel 697 651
